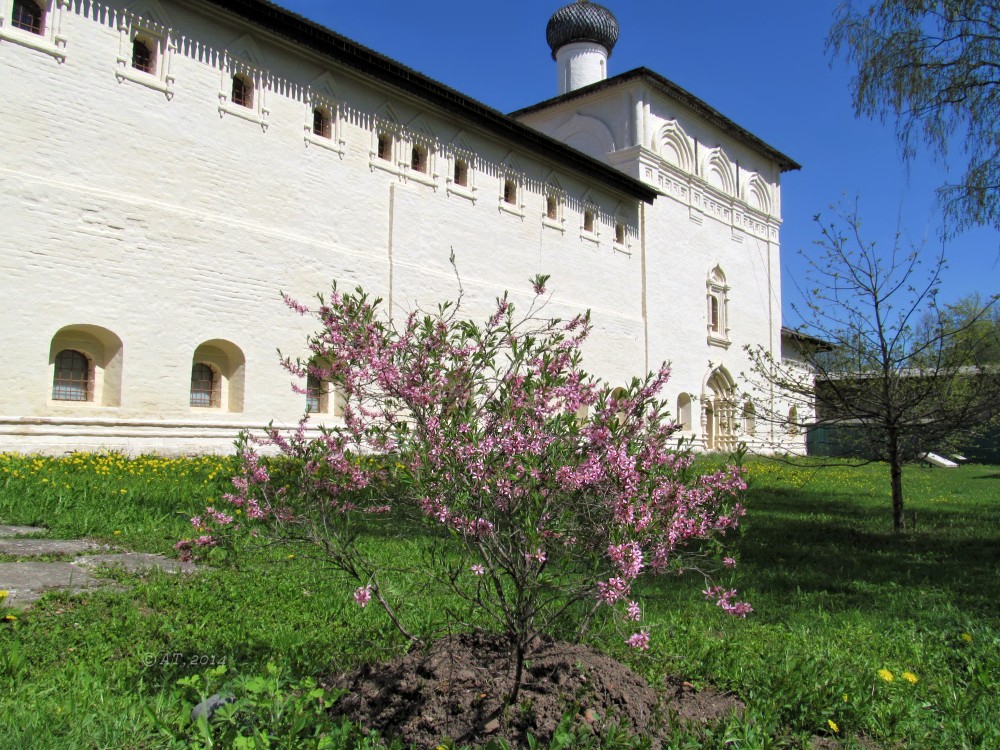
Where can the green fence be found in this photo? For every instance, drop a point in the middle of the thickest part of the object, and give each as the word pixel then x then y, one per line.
pixel 846 441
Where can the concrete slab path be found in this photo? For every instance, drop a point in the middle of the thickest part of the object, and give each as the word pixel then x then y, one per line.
pixel 27 581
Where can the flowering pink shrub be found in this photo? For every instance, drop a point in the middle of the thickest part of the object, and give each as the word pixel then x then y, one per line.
pixel 557 496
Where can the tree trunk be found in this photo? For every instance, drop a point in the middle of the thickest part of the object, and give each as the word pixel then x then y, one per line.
pixel 896 471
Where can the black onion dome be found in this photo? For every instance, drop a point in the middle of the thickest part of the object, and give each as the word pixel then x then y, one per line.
pixel 582 21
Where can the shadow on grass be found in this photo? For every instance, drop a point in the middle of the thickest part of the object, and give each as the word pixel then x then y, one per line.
pixel 829 543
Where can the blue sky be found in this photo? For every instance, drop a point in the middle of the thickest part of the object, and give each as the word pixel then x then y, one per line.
pixel 763 65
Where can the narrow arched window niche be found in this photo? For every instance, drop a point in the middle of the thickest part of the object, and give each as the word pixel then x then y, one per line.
pixel 85 364
pixel 683 415
pixel 717 308
pixel 749 419
pixel 217 376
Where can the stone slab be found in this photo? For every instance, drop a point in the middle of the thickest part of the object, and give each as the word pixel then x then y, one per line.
pixel 9 531
pixel 135 562
pixel 26 582
pixel 38 547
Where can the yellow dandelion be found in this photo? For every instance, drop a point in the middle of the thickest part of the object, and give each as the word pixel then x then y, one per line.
pixel 886 675
pixel 291 557
pixel 117 532
pixel 910 677
pixel 967 637
pixel 833 725
pixel 10 618
pixel 4 594
pixel 846 697
pixel 123 491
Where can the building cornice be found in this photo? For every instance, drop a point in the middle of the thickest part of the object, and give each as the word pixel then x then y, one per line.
pixel 319 39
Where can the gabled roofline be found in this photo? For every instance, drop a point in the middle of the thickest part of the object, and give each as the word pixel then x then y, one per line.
pixel 671 89
pixel 319 39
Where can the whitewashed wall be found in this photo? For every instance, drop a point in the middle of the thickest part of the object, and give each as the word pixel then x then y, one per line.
pixel 720 210
pixel 171 223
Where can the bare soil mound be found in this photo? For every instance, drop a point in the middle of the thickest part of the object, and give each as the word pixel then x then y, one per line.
pixel 455 688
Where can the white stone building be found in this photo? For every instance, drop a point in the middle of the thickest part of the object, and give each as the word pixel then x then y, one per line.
pixel 169 165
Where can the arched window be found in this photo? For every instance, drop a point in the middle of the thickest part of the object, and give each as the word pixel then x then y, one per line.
pixel 684 412
pixel 588 221
pixel 322 122
pixel 28 16
pixel 552 208
pixel 205 386
pixel 242 92
pixel 218 375
pixel 718 308
pixel 86 365
pixel 749 418
pixel 619 233
pixel 792 426
pixel 73 379
pixel 143 56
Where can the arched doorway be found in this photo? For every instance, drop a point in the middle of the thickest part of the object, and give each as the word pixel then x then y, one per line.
pixel 720 422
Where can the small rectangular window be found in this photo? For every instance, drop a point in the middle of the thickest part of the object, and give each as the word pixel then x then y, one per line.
pixel 418 159
pixel 28 16
pixel 510 192
pixel 588 221
pixel 552 207
pixel 322 123
pixel 242 92
pixel 316 397
pixel 461 172
pixel 143 58
pixel 385 147
pixel 619 234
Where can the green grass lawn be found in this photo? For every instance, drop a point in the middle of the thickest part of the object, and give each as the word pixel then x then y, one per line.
pixel 837 598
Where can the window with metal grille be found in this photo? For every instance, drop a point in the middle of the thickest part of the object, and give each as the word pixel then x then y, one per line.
pixel 384 146
pixel 510 192
pixel 588 221
pixel 322 123
pixel 315 395
pixel 143 57
pixel 461 172
pixel 28 16
pixel 204 386
pixel 242 92
pixel 72 380
pixel 418 159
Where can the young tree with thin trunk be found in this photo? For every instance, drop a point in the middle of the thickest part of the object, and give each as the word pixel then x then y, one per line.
pixel 877 359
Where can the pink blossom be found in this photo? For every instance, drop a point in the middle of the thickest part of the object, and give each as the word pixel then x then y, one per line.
pixel 639 640
pixel 633 612
pixel 478 570
pixel 729 562
pixel 363 595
